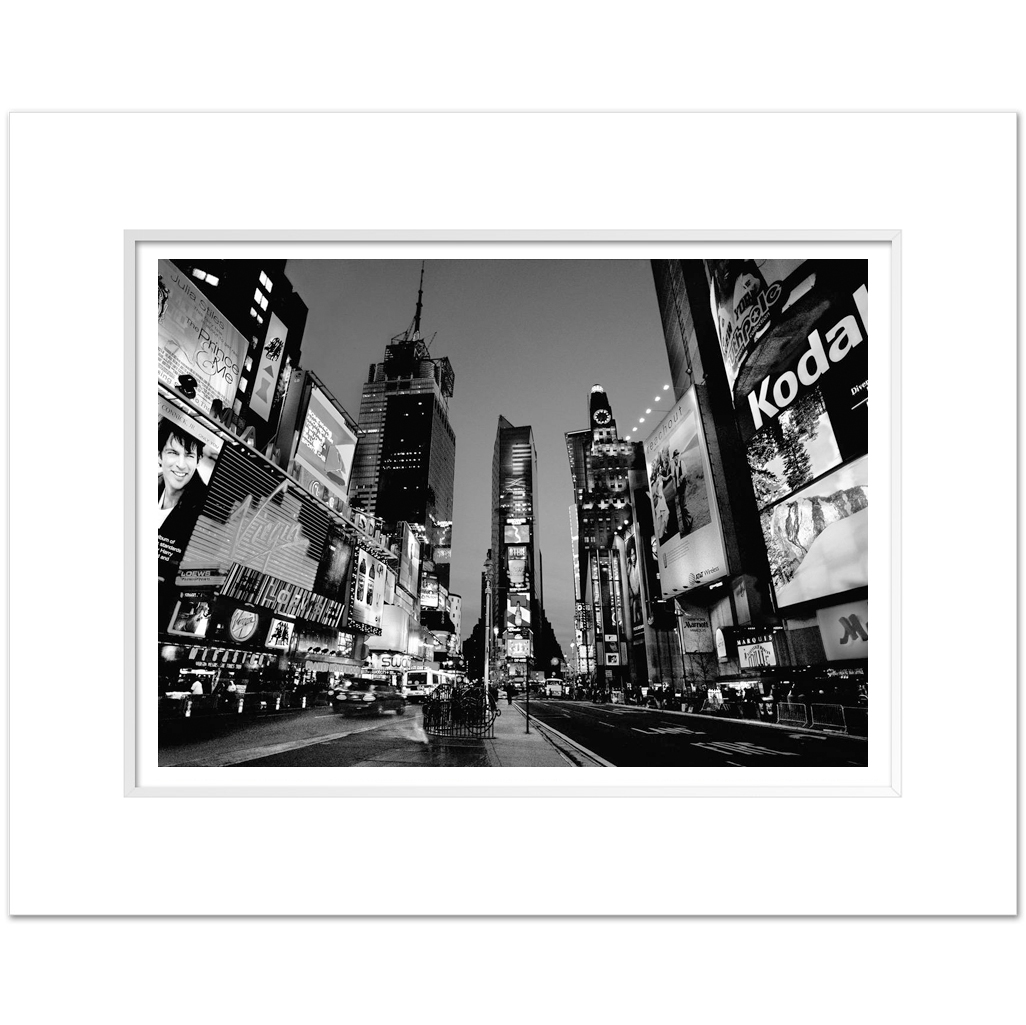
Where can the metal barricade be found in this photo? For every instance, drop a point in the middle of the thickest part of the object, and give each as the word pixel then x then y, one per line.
pixel 856 721
pixel 829 717
pixel 792 714
pixel 459 713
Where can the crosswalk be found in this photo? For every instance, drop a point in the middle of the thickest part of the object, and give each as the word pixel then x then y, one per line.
pixel 744 748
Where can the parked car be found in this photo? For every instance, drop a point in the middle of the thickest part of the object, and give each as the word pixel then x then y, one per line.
pixel 368 696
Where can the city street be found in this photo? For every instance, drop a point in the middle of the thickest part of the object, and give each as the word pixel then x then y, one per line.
pixel 313 737
pixel 629 736
pixel 616 735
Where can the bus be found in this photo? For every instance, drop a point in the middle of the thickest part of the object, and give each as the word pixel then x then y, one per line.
pixel 418 684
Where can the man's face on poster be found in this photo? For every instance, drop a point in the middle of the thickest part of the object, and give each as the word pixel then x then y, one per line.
pixel 177 464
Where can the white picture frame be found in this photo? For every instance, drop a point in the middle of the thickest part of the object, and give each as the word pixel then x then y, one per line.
pixel 69 773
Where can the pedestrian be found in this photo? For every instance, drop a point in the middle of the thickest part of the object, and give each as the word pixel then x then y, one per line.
pixel 493 697
pixel 509 693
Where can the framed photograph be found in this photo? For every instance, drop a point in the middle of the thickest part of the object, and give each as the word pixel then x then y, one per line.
pixel 678 673
pixel 736 420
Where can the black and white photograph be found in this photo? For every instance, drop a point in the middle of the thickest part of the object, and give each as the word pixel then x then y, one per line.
pixel 627 497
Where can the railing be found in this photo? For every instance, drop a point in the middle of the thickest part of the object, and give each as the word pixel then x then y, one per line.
pixel 792 714
pixel 830 717
pixel 856 721
pixel 459 713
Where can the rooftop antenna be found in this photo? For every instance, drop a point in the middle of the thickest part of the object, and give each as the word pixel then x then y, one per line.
pixel 420 303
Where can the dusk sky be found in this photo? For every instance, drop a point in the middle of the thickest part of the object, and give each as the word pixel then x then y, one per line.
pixel 527 339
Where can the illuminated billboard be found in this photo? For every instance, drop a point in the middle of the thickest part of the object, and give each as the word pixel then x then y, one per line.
pixel 845 630
pixel 685 517
pixel 809 412
pixel 429 591
pixel 747 297
pixel 265 380
pixel 409 560
pixel 818 538
pixel 517 533
pixel 518 648
pixel 280 634
pixel 368 590
pixel 191 618
pixel 254 517
pixel 197 346
pixel 518 611
pixel 326 444
pixel 187 453
pixel 333 573
pixel 516 567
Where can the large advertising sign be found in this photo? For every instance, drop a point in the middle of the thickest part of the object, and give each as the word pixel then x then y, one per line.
pixel 685 517
pixel 280 634
pixel 254 518
pixel 429 591
pixel 409 560
pixel 187 453
pixel 696 633
pixel 326 444
pixel 336 564
pixel 818 538
pixel 266 378
pixel 746 296
pixel 788 326
pixel 197 347
pixel 191 617
pixel 368 591
pixel 801 381
pixel 635 599
pixel 516 566
pixel 518 611
pixel 845 630
pixel 518 647
pixel 517 533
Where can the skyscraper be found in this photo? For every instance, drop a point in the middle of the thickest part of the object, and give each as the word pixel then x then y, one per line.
pixel 600 465
pixel 406 458
pixel 515 567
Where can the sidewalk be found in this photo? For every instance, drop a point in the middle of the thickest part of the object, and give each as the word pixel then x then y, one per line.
pixel 513 747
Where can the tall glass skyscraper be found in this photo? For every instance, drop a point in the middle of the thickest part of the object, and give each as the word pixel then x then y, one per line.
pixel 405 462
pixel 515 567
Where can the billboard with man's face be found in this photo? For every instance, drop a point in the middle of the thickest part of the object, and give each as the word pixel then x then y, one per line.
pixel 199 351
pixel 187 453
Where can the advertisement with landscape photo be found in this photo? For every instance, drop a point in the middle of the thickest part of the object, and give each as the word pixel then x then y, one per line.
pixel 818 538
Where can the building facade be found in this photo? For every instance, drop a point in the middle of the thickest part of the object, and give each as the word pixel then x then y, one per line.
pixel 768 360
pixel 600 465
pixel 513 588
pixel 405 465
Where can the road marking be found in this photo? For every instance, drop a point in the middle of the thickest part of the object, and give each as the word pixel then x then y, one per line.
pixel 744 747
pixel 609 724
pixel 662 730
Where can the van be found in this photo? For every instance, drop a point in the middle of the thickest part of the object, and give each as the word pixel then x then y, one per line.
pixel 553 688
